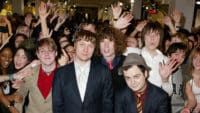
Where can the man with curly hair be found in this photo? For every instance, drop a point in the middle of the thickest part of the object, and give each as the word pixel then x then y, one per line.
pixel 111 45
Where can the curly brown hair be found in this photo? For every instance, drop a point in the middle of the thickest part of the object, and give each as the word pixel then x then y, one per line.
pixel 112 34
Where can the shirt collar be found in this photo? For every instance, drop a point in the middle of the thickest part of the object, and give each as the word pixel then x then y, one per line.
pixel 115 61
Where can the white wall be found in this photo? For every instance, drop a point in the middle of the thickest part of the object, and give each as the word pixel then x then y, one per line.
pixel 187 8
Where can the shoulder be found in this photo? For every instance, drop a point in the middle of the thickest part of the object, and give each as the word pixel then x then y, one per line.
pixel 65 67
pixel 157 91
pixel 122 92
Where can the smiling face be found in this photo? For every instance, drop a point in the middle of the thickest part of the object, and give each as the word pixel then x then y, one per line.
pixel 20 59
pixel 107 48
pixel 18 41
pixel 5 58
pixel 135 79
pixel 196 62
pixel 179 56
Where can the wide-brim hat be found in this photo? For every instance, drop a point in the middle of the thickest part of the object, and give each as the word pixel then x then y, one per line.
pixel 133 59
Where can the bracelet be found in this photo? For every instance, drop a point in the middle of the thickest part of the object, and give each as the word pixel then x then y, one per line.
pixel 115 19
pixel 11 104
pixel 11 77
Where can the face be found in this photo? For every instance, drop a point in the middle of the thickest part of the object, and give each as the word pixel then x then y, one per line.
pixel 24 30
pixel 196 62
pixel 20 59
pixel 107 48
pixel 5 58
pixel 70 51
pixel 84 50
pixel 179 56
pixel 46 55
pixel 132 42
pixel 152 40
pixel 89 27
pixel 18 41
pixel 135 79
pixel 63 42
pixel 176 40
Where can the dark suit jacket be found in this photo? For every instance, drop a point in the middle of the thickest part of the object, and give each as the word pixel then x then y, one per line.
pixel 156 101
pixel 98 96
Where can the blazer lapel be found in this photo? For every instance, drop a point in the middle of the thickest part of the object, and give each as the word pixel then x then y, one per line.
pixel 35 80
pixel 131 102
pixel 74 84
pixel 147 101
pixel 91 80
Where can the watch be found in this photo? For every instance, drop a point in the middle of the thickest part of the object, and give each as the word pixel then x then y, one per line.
pixel 10 105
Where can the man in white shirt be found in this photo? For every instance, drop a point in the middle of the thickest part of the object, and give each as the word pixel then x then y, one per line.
pixel 161 67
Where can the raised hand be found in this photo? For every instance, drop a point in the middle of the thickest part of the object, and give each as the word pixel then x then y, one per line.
pixel 64 59
pixel 116 10
pixel 43 10
pixel 123 21
pixel 176 16
pixel 141 25
pixel 167 21
pixel 166 70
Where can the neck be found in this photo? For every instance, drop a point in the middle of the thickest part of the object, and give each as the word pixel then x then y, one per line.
pixel 81 62
pixel 143 89
pixel 110 58
pixel 152 52
pixel 196 74
pixel 49 68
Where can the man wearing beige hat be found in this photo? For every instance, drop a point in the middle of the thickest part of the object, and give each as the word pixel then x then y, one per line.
pixel 139 96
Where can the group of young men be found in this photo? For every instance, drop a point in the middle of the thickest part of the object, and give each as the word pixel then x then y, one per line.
pixel 93 85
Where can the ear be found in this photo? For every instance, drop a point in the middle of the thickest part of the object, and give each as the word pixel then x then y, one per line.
pixel 37 54
pixel 56 53
pixel 146 74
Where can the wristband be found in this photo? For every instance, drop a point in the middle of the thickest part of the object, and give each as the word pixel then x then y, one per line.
pixel 11 77
pixel 115 19
pixel 10 105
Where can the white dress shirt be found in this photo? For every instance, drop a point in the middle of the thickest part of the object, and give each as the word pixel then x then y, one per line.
pixel 154 75
pixel 82 73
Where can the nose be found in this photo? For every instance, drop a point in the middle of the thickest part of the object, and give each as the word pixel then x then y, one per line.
pixel 85 49
pixel 106 44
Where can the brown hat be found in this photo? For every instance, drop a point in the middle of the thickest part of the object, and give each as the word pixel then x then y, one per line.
pixel 133 59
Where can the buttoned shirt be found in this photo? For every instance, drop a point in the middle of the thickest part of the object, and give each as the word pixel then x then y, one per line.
pixel 82 73
pixel 154 75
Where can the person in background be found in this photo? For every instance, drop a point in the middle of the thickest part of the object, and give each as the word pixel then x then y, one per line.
pixel 161 67
pixel 192 86
pixel 178 51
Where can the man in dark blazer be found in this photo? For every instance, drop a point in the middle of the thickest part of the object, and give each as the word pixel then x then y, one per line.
pixel 152 99
pixel 83 86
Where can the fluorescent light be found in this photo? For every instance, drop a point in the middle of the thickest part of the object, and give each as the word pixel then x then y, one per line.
pixel 132 1
pixel 198 2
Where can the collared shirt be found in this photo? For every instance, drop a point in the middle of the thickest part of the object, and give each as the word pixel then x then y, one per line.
pixel 132 50
pixel 82 74
pixel 143 95
pixel 115 61
pixel 154 75
pixel 45 82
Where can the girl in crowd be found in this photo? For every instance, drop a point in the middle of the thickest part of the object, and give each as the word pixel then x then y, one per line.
pixel 6 56
pixel 22 57
pixel 193 85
